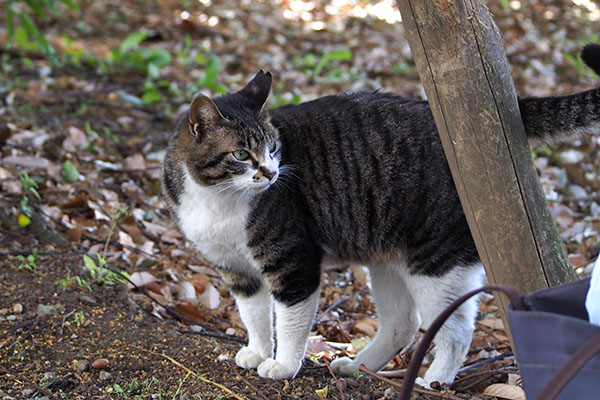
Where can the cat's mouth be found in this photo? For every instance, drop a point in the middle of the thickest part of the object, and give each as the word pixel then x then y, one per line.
pixel 259 187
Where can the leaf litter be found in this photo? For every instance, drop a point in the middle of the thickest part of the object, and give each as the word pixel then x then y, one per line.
pixel 90 135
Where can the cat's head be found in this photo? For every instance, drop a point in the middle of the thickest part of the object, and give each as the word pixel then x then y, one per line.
pixel 229 142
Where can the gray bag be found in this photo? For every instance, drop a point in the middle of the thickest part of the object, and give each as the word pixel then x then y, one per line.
pixel 556 346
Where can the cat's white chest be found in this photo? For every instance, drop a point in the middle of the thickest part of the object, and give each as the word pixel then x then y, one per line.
pixel 215 223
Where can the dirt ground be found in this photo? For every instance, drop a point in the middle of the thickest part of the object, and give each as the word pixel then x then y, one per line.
pixel 46 355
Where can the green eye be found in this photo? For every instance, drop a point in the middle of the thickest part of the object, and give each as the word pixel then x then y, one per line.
pixel 241 155
pixel 273 147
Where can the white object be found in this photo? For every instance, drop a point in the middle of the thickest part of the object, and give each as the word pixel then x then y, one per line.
pixel 592 301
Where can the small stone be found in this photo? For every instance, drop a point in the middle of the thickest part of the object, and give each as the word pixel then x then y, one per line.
pixel 17 308
pixel 44 310
pixel 87 299
pixel 48 377
pixel 82 365
pixel 390 393
pixel 104 376
pixel 11 317
pixel 101 363
pixel 27 392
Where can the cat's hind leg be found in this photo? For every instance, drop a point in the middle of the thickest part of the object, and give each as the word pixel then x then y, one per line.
pixel 254 303
pixel 451 344
pixel 398 322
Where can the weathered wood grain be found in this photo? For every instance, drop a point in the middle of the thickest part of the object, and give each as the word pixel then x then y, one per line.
pixel 461 61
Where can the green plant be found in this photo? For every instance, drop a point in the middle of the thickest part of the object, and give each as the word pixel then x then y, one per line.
pixel 149 62
pixel 21 27
pixel 27 263
pixel 98 272
pixel 78 319
pixel 181 382
pixel 18 351
pixel 30 186
pixel 330 57
pixel 576 60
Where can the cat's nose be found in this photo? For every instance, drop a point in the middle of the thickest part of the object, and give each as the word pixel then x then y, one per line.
pixel 269 174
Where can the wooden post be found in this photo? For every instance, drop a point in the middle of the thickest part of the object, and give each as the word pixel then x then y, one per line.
pixel 461 61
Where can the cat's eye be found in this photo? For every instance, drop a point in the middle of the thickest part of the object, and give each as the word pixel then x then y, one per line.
pixel 241 155
pixel 273 147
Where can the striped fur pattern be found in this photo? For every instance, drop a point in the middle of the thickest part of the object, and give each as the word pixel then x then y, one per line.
pixel 270 195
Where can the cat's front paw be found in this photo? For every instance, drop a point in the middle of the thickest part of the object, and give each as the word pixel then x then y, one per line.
pixel 344 366
pixel 247 359
pixel 422 382
pixel 272 369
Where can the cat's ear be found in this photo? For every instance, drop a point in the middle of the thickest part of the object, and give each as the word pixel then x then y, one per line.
pixel 257 90
pixel 203 114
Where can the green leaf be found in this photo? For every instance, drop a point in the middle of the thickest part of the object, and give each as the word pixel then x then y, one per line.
pixel 212 70
pixel 90 264
pixel 37 8
pixel 153 71
pixel 132 40
pixel 335 55
pixel 34 32
pixel 10 24
pixel 322 393
pixel 159 57
pixel 52 5
pixel 71 4
pixel 151 96
pixel 69 172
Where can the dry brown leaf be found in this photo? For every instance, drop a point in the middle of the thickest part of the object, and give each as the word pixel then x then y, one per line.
pixel 493 323
pixel 366 326
pixel 190 311
pixel 505 391
pixel 135 162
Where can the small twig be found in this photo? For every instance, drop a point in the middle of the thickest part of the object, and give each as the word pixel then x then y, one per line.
pixel 367 371
pixel 62 326
pixel 223 336
pixel 174 313
pixel 251 386
pixel 481 373
pixel 337 303
pixel 15 327
pixel 202 378
pixel 22 378
pixel 337 382
pixel 486 361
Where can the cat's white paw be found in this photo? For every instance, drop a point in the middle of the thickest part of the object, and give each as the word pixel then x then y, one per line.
pixel 247 359
pixel 422 382
pixel 344 366
pixel 272 369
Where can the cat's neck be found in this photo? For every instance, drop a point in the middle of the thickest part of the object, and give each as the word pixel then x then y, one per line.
pixel 219 198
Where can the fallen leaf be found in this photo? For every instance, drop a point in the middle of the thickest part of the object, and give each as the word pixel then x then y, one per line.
pixel 186 291
pixel 141 279
pixel 190 311
pixel 366 326
pixel 27 162
pixel 135 162
pixel 210 297
pixel 493 323
pixel 505 391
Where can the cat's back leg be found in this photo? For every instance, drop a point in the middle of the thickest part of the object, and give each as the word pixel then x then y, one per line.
pixel 398 320
pixel 432 295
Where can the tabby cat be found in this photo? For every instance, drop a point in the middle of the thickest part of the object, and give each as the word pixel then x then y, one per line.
pixel 269 196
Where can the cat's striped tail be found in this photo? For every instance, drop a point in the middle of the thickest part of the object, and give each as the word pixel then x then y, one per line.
pixel 548 119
